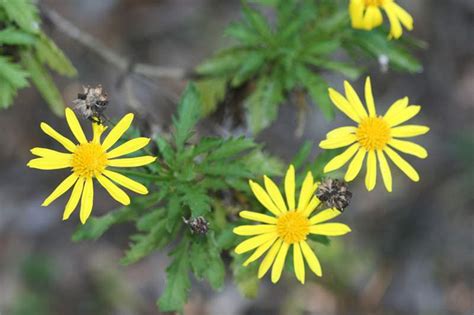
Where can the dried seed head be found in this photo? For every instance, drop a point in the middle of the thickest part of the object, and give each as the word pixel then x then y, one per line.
pixel 198 225
pixel 334 194
pixel 92 103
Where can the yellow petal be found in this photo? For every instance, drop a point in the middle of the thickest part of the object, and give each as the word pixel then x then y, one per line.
pixel 369 97
pixel 385 170
pixel 354 100
pixel 275 194
pixel 355 165
pixel 269 258
pixel 128 147
pixel 290 188
pixel 114 191
pixel 307 191
pixel 279 262
pixel 402 164
pixel 329 229
pixel 356 10
pixel 117 131
pixel 298 262
pixel 254 229
pixel 409 147
pixel 51 154
pixel 254 242
pixel 403 16
pixel 48 164
pixel 371 176
pixel 258 252
pixel 74 199
pixel 311 259
pixel 343 105
pixel 341 159
pixel 75 126
pixel 132 162
pixel 126 182
pixel 324 216
pixel 334 143
pixel 264 198
pixel 409 131
pixel 341 132
pixel 61 189
pixel 404 115
pixel 66 143
pixel 396 108
pixel 87 200
pixel 259 217
pixel 313 204
pixel 97 131
pixel 395 26
pixel 372 18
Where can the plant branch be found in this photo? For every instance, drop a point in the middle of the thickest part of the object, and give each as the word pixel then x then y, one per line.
pixel 120 62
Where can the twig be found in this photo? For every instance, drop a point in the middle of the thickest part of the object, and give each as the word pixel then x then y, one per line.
pixel 109 55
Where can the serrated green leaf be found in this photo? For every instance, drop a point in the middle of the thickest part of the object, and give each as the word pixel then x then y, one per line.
pixel 226 239
pixel 318 90
pixel 12 73
pixel 260 163
pixel 95 227
pixel 178 284
pixel 43 82
pixel 49 53
pixel 257 21
pixel 146 222
pixel 253 63
pixel 189 112
pixel 245 277
pixel 322 47
pixel 350 71
pixel 197 200
pixel 165 149
pixel 212 92
pixel 174 212
pixel 206 145
pixel 263 103
pixel 22 12
pixel 147 243
pixel 7 94
pixel 243 33
pixel 225 169
pixel 13 36
pixel 206 261
pixel 230 147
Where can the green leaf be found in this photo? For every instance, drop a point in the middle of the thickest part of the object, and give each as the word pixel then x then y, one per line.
pixel 212 92
pixel 95 227
pixel 207 145
pixel 322 47
pixel 350 71
pixel 23 12
pixel 178 284
pixel 174 212
pixel 263 103
pixel 317 89
pixel 197 200
pixel 322 239
pixel 13 36
pixel 12 73
pixel 43 82
pixel 257 21
pixel 243 33
pixel 145 244
pixel 189 112
pixel 225 169
pixel 245 277
pixel 230 147
pixel 206 261
pixel 165 149
pixel 253 63
pixel 49 53
pixel 224 64
pixel 149 220
pixel 7 94
pixel 261 163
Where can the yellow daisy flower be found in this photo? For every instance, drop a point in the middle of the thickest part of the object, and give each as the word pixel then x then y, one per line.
pixel 366 14
pixel 288 227
pixel 375 136
pixel 91 159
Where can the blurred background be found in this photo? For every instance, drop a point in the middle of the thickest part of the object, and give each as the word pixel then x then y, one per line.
pixel 410 252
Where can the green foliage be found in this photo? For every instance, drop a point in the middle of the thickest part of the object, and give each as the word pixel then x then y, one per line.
pixel 293 53
pixel 24 52
pixel 191 177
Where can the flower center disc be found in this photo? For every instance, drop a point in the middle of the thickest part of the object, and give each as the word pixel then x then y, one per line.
pixel 89 160
pixel 292 227
pixel 373 133
pixel 376 3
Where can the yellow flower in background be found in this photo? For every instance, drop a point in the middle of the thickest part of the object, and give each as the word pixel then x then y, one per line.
pixel 367 14
pixel 374 137
pixel 91 159
pixel 288 227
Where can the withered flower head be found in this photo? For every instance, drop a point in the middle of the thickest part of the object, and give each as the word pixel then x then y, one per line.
pixel 92 103
pixel 334 194
pixel 198 225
